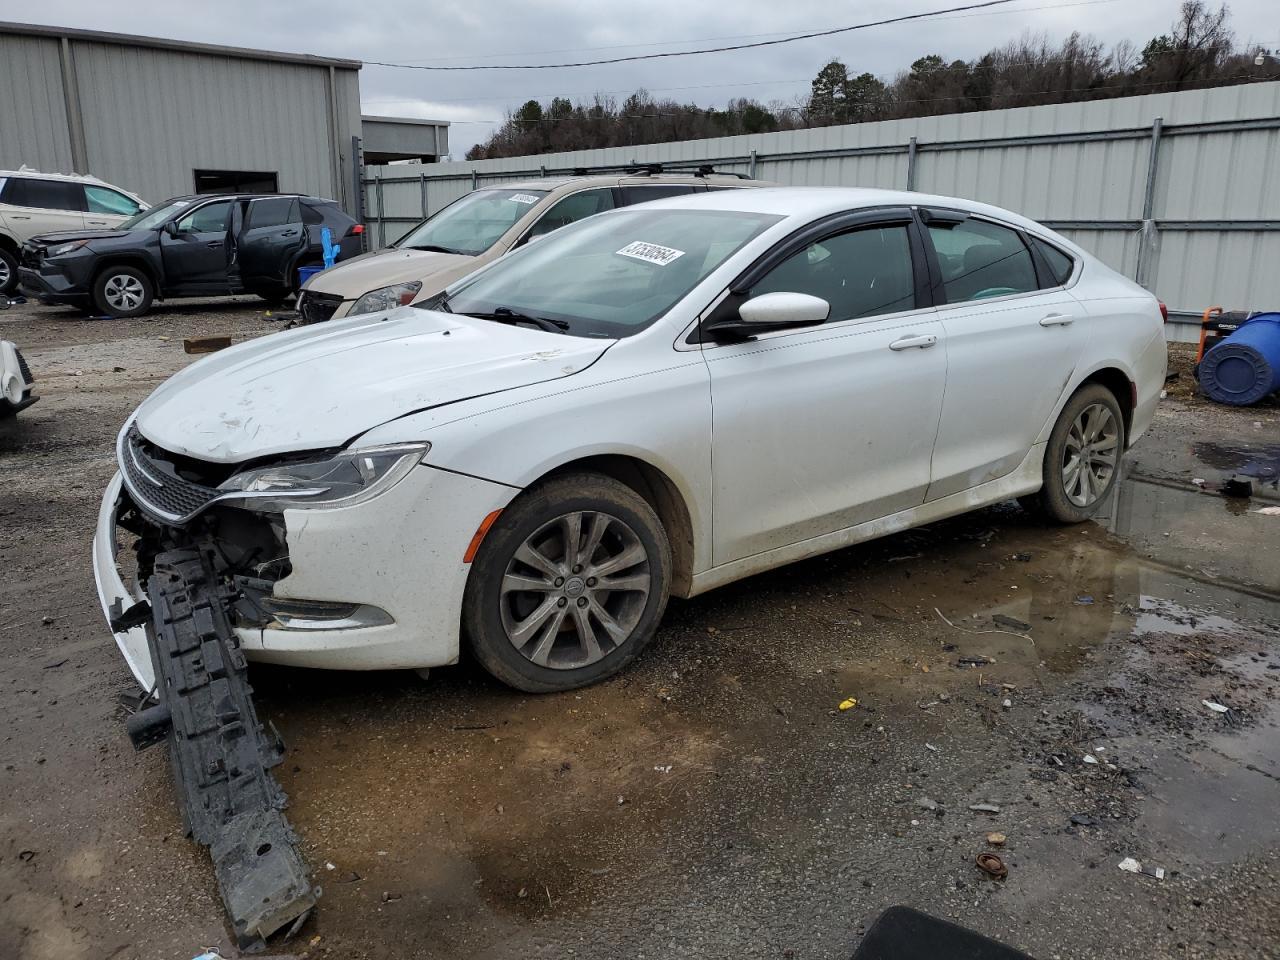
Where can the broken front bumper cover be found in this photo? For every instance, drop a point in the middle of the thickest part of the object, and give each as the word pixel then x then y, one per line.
pixel 179 644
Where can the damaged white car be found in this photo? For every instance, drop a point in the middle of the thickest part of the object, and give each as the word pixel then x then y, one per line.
pixel 652 402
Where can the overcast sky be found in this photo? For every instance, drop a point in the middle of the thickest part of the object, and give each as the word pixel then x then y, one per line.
pixel 445 32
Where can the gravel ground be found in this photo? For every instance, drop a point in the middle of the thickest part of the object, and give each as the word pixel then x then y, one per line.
pixel 713 801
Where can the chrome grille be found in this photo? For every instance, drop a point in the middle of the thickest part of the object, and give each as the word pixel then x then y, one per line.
pixel 317 307
pixel 156 485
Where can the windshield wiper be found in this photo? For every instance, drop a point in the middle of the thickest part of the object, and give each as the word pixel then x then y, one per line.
pixel 430 248
pixel 507 315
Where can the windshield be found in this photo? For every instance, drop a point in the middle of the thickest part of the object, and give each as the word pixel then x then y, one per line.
pixel 473 224
pixel 153 218
pixel 610 275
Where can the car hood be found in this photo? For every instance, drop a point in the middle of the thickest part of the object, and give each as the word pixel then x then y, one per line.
pixel 65 236
pixel 355 277
pixel 321 386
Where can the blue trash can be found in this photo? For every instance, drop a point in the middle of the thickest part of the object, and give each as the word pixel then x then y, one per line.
pixel 1245 367
pixel 306 273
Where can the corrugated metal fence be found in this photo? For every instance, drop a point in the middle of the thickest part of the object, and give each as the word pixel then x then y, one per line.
pixel 1180 191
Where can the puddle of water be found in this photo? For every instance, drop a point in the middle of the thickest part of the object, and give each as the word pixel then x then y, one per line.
pixel 1157 615
pixel 1260 461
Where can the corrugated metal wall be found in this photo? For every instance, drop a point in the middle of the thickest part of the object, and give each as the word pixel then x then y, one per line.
pixel 1213 208
pixel 151 116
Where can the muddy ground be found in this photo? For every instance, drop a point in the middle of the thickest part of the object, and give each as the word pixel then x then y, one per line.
pixel 712 801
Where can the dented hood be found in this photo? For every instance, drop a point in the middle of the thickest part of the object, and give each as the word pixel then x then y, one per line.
pixel 323 385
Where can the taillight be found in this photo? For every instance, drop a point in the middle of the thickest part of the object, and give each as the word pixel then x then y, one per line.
pixel 358 228
pixel 1164 311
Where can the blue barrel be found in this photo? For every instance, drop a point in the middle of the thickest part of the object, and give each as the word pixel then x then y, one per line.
pixel 306 273
pixel 1244 367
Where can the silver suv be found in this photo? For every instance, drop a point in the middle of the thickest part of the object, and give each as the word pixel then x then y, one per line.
pixel 34 203
pixel 482 226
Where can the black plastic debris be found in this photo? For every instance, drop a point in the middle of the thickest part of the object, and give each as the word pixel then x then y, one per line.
pixel 220 752
pixel 903 933
pixel 1235 487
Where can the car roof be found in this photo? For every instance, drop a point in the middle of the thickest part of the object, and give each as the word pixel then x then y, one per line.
pixel 808 203
pixel 193 197
pixel 613 179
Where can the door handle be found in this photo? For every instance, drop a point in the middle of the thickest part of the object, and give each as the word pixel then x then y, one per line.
pixel 213 243
pixel 1056 320
pixel 289 233
pixel 918 341
pixel 19 216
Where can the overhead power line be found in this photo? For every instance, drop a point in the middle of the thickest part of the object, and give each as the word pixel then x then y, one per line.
pixel 692 53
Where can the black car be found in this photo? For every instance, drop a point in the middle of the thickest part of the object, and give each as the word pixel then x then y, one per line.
pixel 198 246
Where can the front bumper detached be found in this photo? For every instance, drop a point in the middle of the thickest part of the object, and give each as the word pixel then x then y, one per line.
pixel 221 754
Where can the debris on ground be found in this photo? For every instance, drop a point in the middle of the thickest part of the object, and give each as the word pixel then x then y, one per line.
pixel 1237 488
pixel 848 704
pixel 992 865
pixel 1013 623
pixel 996 839
pixel 984 807
pixel 926 804
pixel 204 344
pixel 974 661
pixel 1130 865
pixel 1084 600
pixel 1215 706
pixel 1083 820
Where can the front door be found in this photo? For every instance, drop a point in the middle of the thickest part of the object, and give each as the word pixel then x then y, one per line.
pixel 1013 339
pixel 197 255
pixel 823 428
pixel 269 242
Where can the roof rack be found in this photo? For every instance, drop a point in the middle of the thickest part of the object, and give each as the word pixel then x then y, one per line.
pixel 636 169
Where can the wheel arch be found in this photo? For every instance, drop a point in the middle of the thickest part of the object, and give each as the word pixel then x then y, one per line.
pixel 9 242
pixel 659 491
pixel 1122 387
pixel 128 260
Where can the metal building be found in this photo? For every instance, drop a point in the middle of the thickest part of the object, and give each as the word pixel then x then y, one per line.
pixel 167 117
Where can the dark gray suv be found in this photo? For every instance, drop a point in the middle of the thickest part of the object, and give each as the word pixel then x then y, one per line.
pixel 187 247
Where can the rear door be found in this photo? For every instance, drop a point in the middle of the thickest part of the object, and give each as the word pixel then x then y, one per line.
pixel 34 206
pixel 198 257
pixel 633 193
pixel 270 241
pixel 1014 334
pixel 572 208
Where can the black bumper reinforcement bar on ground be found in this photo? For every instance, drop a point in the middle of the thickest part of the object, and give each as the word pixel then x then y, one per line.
pixel 220 752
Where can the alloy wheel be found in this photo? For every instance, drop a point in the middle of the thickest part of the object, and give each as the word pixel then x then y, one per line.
pixel 575 590
pixel 123 291
pixel 5 274
pixel 1090 455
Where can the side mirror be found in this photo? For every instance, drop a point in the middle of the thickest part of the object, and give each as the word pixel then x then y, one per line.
pixel 171 228
pixel 770 311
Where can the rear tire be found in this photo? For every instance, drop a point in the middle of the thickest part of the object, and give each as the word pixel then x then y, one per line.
pixel 540 615
pixel 8 271
pixel 1082 459
pixel 123 292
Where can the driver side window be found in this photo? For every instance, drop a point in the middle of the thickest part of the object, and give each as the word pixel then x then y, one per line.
pixel 576 206
pixel 980 260
pixel 862 273
pixel 211 218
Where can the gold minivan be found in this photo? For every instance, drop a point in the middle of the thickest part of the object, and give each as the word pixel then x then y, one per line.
pixel 481 226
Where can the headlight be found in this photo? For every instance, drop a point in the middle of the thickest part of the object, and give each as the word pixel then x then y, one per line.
pixel 62 248
pixel 351 477
pixel 387 298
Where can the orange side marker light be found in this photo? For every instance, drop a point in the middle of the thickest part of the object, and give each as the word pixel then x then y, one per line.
pixel 478 539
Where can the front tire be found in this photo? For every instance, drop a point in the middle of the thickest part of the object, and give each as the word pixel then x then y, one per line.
pixel 569 584
pixel 1082 458
pixel 123 292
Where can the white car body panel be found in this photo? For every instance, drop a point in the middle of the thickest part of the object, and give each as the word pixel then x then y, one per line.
pixel 245 402
pixel 774 461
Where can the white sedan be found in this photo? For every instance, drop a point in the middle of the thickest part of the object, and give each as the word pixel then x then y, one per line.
pixel 652 402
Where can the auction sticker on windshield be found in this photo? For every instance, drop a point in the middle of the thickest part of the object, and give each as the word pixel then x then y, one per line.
pixel 523 198
pixel 650 253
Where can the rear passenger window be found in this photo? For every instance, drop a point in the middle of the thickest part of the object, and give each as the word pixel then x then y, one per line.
pixel 980 260
pixel 311 216
pixel 863 273
pixel 1060 265
pixel 654 191
pixel 45 194
pixel 274 212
